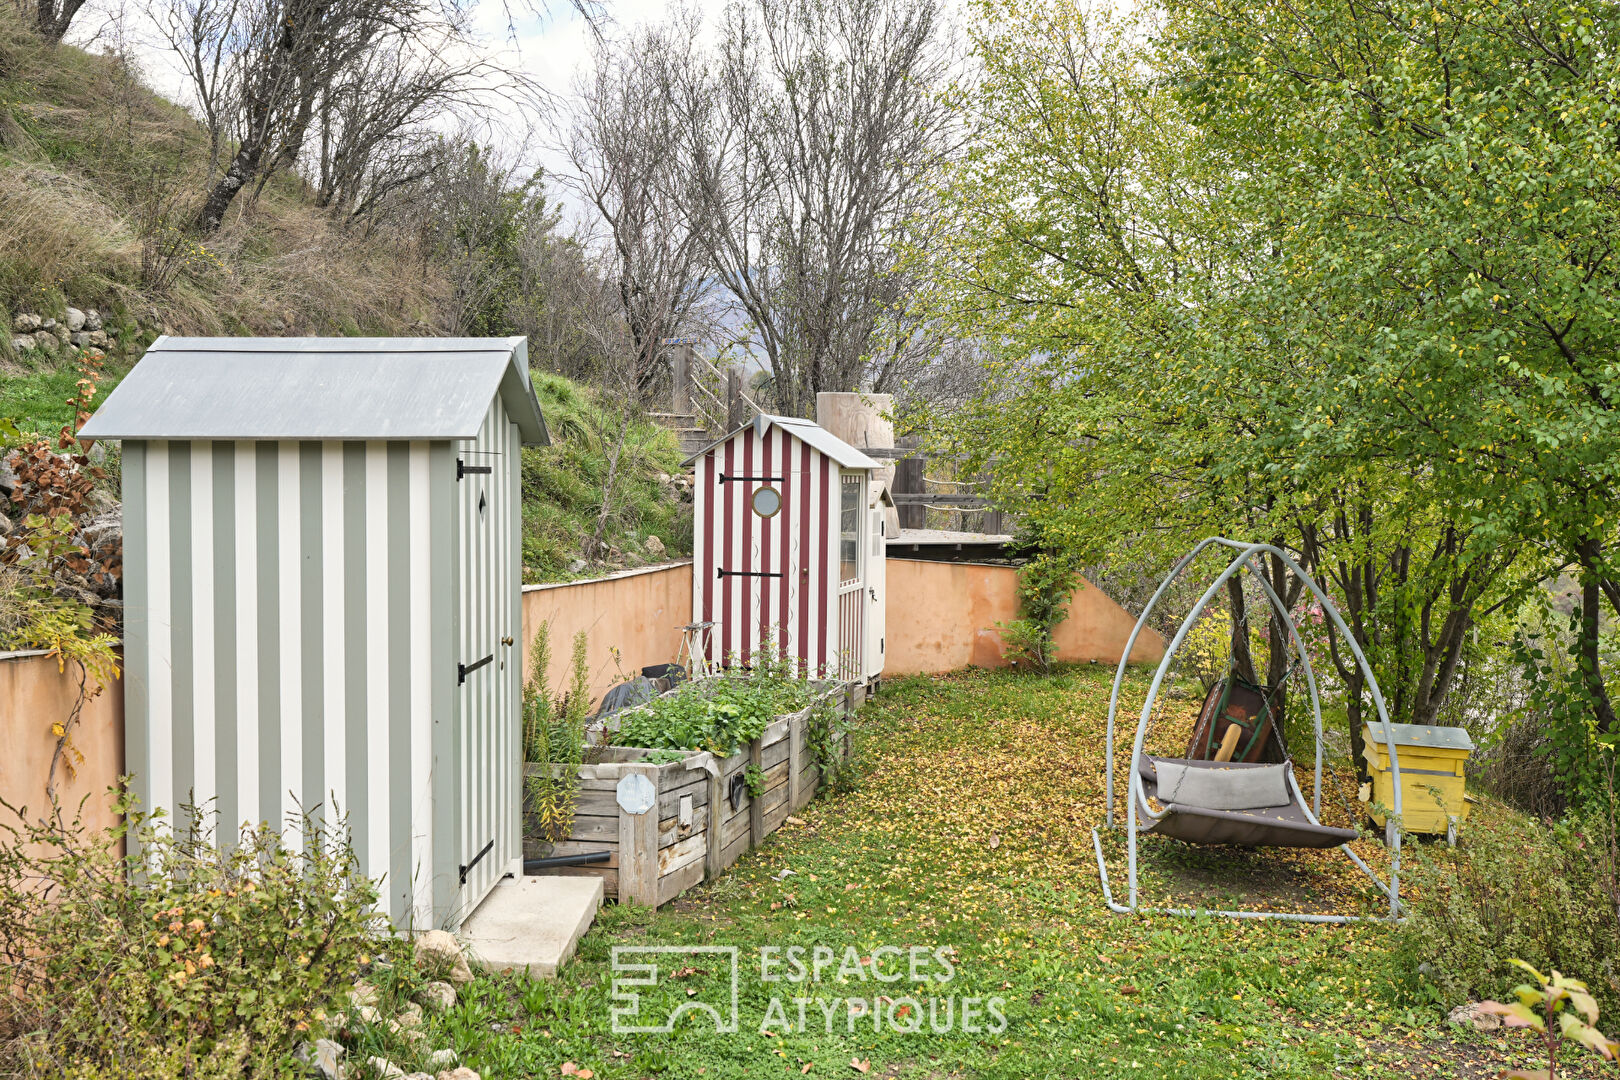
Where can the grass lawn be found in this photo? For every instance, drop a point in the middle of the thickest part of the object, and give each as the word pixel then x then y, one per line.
pixel 971 833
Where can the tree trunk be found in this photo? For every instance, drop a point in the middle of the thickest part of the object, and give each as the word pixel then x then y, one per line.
pixel 244 166
pixel 1242 659
pixel 1358 743
pixel 1589 659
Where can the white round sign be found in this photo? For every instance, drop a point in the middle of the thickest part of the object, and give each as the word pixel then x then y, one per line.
pixel 636 794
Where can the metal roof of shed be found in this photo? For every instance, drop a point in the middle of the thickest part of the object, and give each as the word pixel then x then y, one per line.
pixel 320 388
pixel 807 430
pixel 1430 735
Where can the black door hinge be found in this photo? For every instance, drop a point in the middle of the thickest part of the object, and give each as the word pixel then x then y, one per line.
pixel 464 670
pixel 721 572
pixel 724 479
pixel 462 468
pixel 486 850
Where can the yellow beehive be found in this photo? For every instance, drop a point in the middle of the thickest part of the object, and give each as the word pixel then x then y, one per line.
pixel 1432 760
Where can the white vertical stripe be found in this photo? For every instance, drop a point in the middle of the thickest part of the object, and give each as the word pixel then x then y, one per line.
pixel 334 796
pixel 160 671
pixel 247 634
pixel 381 618
pixel 421 620
pixel 204 718
pixel 812 581
pixel 290 645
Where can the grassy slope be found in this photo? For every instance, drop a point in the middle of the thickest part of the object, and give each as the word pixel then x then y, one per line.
pixel 562 487
pixel 972 830
pixel 93 164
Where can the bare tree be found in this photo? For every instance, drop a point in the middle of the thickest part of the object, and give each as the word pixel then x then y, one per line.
pixel 624 148
pixel 811 160
pixel 262 71
pixel 376 125
pixel 53 17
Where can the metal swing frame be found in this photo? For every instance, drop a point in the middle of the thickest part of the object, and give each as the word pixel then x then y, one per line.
pixel 1135 793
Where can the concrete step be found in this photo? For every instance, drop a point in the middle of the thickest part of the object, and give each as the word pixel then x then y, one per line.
pixel 532 923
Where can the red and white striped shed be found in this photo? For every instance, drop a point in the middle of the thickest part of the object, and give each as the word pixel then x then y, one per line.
pixel 788 545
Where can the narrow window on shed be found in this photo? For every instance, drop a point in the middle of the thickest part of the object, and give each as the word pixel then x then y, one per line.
pixel 849 529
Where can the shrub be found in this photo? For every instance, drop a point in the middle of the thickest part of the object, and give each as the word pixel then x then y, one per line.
pixel 1518 889
pixel 180 958
pixel 1045 586
pixel 554 733
pixel 724 713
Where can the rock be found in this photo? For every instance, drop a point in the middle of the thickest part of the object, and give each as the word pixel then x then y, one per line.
pixel 61 332
pixel 45 341
pixel 1471 1015
pixel 5 525
pixel 410 1016
pixel 321 1058
pixel 8 476
pixel 438 996
pixel 25 323
pixel 22 342
pixel 418 1076
pixel 363 994
pixel 439 955
pixel 461 1073
pixel 99 339
pixel 74 319
pixel 367 1014
pixel 92 320
pixel 79 339
pixel 441 1059
pixel 655 547
pixel 385 1069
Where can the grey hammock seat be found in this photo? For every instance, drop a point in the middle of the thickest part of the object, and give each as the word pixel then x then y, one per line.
pixel 1288 825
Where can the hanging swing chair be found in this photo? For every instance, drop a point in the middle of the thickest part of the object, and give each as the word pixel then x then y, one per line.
pixel 1236 785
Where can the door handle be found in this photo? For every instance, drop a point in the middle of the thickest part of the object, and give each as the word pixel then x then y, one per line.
pixel 506 641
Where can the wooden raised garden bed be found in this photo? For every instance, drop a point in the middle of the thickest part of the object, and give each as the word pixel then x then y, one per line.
pixel 702 817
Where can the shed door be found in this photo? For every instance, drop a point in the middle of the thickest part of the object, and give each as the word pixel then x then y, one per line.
pixel 486 719
pixel 876 568
pixel 852 598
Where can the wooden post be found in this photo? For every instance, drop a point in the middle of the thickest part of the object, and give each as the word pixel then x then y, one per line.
pixel 991 518
pixel 796 732
pixel 638 848
pixel 681 378
pixel 712 851
pixel 908 480
pixel 734 402
pixel 756 808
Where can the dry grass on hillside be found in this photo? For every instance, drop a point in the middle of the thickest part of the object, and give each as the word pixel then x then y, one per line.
pixel 98 178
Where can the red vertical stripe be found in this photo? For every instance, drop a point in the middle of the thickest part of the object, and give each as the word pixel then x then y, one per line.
pixel 745 628
pixel 784 522
pixel 764 591
pixel 829 581
pixel 723 507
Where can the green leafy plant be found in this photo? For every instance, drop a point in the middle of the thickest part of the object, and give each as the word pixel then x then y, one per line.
pixel 1560 1010
pixel 1045 586
pixel 183 957
pixel 754 781
pixel 554 734
pixel 722 714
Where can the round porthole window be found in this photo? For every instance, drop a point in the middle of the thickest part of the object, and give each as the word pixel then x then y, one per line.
pixel 767 501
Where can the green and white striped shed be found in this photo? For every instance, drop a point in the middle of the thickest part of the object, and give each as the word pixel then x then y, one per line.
pixel 321 594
